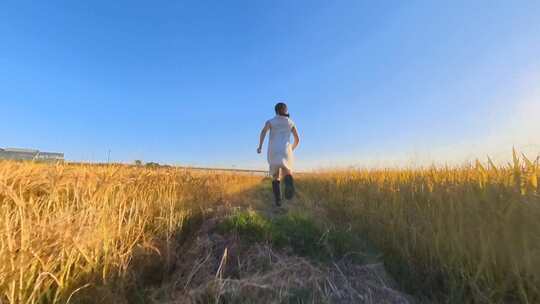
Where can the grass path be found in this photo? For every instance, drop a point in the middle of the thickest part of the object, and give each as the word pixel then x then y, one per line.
pixel 249 251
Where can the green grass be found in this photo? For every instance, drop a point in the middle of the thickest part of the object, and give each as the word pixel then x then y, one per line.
pixel 301 234
pixel 250 225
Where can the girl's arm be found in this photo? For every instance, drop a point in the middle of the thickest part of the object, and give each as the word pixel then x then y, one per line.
pixel 296 137
pixel 262 136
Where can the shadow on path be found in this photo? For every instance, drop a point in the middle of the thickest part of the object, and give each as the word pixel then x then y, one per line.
pixel 245 250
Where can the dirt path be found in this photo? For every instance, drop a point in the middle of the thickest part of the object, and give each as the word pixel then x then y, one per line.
pixel 249 251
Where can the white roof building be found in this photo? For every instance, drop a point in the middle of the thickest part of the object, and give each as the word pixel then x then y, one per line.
pixel 21 150
pixel 30 154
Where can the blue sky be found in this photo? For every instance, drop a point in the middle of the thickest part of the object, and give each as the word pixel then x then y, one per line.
pixel 192 82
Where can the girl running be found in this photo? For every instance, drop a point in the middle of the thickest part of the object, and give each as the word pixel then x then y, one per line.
pixel 280 151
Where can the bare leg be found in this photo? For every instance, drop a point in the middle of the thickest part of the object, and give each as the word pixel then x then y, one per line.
pixel 286 172
pixel 277 176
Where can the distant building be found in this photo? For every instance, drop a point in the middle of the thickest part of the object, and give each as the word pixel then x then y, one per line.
pixel 30 154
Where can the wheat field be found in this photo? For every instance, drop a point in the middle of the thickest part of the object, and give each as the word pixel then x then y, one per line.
pixel 90 229
pixel 471 233
pixel 446 234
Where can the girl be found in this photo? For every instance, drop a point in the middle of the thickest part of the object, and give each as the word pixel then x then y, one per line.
pixel 280 152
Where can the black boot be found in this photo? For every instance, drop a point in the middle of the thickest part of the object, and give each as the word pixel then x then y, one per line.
pixel 277 192
pixel 289 187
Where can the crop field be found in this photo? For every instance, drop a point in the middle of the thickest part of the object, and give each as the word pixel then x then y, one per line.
pixel 127 234
pixel 468 234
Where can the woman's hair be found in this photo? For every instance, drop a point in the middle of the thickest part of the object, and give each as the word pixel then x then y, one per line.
pixel 281 109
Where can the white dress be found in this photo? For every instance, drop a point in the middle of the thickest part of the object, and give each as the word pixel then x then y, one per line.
pixel 280 154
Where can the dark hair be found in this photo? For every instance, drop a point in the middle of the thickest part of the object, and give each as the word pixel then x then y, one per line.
pixel 281 109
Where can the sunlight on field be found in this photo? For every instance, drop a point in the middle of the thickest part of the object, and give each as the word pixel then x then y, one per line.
pixel 470 233
pixel 74 230
pixel 82 233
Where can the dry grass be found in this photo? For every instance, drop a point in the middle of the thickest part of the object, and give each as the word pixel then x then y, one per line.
pixel 74 230
pixel 223 268
pixel 103 234
pixel 468 234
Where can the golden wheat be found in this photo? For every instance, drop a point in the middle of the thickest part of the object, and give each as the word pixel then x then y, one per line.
pixel 95 233
pixel 68 229
pixel 472 232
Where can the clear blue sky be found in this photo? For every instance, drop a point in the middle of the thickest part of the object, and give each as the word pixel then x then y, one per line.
pixel 192 82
